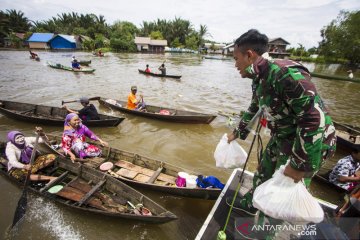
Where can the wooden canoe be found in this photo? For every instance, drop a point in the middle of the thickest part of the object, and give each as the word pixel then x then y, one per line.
pixel 85 63
pixel 324 178
pixel 89 190
pixel 335 77
pixel 178 116
pixel 216 219
pixel 141 171
pixel 63 67
pixel 347 136
pixel 98 55
pixel 217 58
pixel 37 58
pixel 159 74
pixel 41 114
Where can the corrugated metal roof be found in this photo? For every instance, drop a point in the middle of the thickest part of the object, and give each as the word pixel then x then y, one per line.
pixel 40 37
pixel 67 37
pixel 279 38
pixel 142 40
pixel 158 42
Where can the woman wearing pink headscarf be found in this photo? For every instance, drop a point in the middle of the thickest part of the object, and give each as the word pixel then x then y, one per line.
pixel 74 136
pixel 18 152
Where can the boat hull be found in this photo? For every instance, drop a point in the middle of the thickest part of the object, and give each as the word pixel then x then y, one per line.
pixel 177 116
pixel 159 75
pixel 47 115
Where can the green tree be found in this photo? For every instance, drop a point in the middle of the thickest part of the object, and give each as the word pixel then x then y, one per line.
pixel 4 24
pixel 192 41
pixel 176 43
pixel 17 21
pixel 156 35
pixel 203 32
pixel 341 38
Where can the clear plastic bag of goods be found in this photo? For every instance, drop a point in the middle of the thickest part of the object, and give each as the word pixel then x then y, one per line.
pixel 229 155
pixel 281 198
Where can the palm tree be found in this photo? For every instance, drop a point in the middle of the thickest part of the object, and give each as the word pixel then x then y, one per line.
pixel 17 21
pixel 4 23
pixel 203 32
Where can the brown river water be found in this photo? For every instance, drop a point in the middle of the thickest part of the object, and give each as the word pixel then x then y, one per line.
pixel 206 86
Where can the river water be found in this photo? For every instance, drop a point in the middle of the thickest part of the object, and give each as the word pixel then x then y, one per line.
pixel 206 86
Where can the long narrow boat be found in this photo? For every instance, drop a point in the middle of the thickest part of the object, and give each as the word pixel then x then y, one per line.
pixel 324 178
pixel 217 58
pixel 335 77
pixel 159 74
pixel 83 188
pixel 84 63
pixel 216 219
pixel 48 115
pixel 347 135
pixel 154 112
pixel 63 67
pixel 144 172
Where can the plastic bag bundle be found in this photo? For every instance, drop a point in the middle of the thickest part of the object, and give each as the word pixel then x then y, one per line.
pixel 281 198
pixel 229 155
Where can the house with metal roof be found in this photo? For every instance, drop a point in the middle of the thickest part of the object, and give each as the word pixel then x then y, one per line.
pixel 146 44
pixel 40 40
pixel 61 41
pixel 277 48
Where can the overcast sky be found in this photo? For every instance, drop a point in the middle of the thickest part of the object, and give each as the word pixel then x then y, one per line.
pixel 296 21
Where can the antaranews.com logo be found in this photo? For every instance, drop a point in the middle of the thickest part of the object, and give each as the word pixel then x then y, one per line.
pixel 246 229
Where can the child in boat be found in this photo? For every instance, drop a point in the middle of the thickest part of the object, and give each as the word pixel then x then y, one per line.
pixel 133 102
pixel 345 174
pixel 18 151
pixel 75 64
pixel 33 55
pixel 147 68
pixel 349 213
pixel 88 112
pixel 162 69
pixel 74 136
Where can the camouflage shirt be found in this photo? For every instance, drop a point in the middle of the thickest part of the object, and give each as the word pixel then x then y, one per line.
pixel 294 111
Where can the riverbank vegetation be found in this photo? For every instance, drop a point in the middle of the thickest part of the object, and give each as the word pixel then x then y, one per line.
pixel 339 44
pixel 118 36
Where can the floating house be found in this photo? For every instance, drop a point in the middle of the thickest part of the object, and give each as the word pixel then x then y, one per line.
pixel 8 41
pixel 62 41
pixel 277 48
pixel 146 44
pixel 40 40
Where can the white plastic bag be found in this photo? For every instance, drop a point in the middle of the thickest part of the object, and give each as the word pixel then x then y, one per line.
pixel 229 155
pixel 281 198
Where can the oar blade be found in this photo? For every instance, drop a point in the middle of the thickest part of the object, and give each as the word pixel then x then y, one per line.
pixel 20 209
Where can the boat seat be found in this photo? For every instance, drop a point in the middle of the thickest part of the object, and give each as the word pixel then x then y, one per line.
pixel 145 171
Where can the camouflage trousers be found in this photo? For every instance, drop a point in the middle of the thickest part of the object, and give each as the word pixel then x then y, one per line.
pixel 273 157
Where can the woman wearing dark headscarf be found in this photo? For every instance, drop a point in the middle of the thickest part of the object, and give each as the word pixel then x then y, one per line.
pixel 74 136
pixel 18 152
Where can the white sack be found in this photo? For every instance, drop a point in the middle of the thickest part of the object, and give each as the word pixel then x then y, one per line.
pixel 281 198
pixel 229 155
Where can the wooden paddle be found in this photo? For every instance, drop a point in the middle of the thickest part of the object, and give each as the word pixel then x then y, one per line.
pixel 90 99
pixel 22 203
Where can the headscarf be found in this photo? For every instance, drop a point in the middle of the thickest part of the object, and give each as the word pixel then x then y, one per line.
pixel 68 130
pixel 26 151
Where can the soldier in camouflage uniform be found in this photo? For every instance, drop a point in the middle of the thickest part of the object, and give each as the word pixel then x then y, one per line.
pixel 301 129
